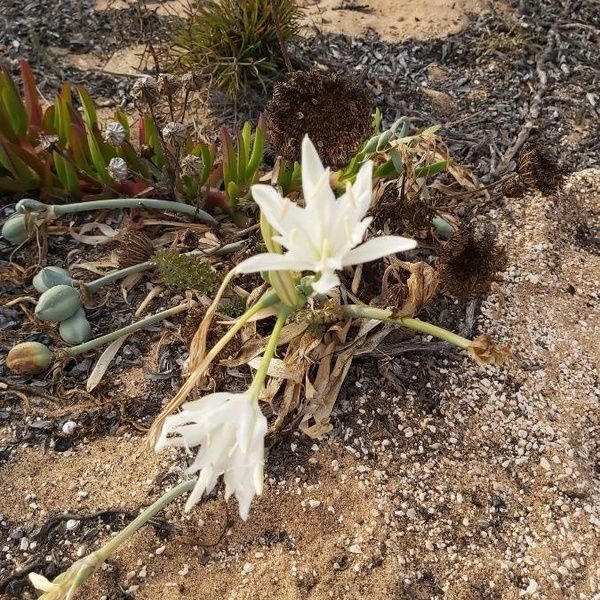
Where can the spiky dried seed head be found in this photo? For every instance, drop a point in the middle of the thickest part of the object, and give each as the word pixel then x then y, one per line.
pixel 512 187
pixel 538 170
pixel 332 109
pixel 117 169
pixel 168 84
pixel 145 91
pixel 469 263
pixel 115 133
pixel 134 248
pixel 175 133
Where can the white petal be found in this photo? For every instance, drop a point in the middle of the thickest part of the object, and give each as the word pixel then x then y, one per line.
pixel 39 582
pixel 326 282
pixel 272 204
pixel 315 178
pixel 363 188
pixel 272 262
pixel 377 248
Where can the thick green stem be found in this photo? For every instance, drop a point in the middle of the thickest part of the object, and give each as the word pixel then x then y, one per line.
pixel 368 312
pixel 167 205
pixel 257 383
pixel 113 335
pixel 93 286
pixel 144 517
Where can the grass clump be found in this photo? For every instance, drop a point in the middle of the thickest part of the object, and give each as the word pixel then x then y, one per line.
pixel 234 44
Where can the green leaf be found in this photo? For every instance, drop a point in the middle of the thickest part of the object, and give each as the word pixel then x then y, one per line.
pixel 98 159
pixel 257 150
pixel 67 175
pixel 432 169
pixel 89 110
pixel 13 105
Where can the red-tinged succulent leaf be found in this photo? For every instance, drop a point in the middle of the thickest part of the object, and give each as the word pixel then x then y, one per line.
pixel 98 160
pixel 13 104
pixel 26 156
pixel 78 147
pixel 32 101
pixel 133 188
pixel 62 121
pixel 49 120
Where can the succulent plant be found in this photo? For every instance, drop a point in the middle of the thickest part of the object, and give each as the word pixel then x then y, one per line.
pixel 49 277
pixel 76 329
pixel 29 358
pixel 58 303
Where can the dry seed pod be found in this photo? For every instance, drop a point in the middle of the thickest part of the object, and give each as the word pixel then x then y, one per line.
pixel 191 165
pixel 332 109
pixel 117 169
pixel 135 248
pixel 175 133
pixel 469 264
pixel 115 133
pixel 145 91
pixel 168 84
pixel 483 350
pixel 537 169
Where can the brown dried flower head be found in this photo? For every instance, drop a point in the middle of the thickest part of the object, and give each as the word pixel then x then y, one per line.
pixel 175 133
pixel 483 350
pixel 332 109
pixel 513 187
pixel 191 165
pixel 145 91
pixel 469 263
pixel 168 84
pixel 135 248
pixel 538 170
pixel 408 299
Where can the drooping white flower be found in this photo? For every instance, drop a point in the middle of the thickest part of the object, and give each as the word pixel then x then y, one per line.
pixel 230 430
pixel 326 234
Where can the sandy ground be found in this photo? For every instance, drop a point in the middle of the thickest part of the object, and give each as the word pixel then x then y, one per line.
pixel 495 493
pixel 483 484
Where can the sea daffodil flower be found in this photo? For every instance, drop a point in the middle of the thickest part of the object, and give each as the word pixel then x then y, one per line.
pixel 327 233
pixel 230 430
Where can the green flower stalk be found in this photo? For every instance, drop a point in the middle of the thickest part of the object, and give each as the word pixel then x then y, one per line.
pixel 17 229
pixel 65 586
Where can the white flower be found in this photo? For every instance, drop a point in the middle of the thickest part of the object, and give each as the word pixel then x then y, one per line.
pixel 326 234
pixel 230 430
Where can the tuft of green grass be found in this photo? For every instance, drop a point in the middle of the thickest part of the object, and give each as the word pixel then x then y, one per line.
pixel 234 44
pixel 184 271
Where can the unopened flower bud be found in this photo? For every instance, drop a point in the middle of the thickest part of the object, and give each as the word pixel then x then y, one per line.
pixel 191 165
pixel 168 84
pixel 117 169
pixel 175 133
pixel 115 133
pixel 29 358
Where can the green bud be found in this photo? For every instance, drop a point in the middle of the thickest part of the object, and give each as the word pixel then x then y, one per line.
pixel 29 205
pixel 29 358
pixel 58 303
pixel 49 277
pixel 15 229
pixel 76 329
